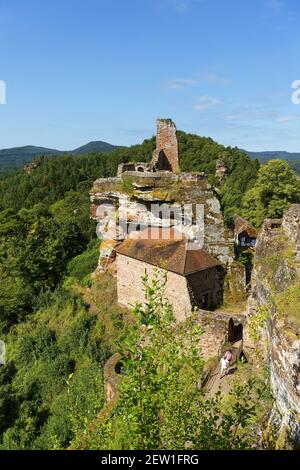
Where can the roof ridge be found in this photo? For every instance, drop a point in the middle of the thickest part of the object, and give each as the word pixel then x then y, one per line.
pixel 179 261
pixel 185 256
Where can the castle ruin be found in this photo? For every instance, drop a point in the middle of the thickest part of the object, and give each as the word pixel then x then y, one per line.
pixel 165 157
pixel 144 195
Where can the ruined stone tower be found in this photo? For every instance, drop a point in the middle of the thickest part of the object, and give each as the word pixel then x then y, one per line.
pixel 165 157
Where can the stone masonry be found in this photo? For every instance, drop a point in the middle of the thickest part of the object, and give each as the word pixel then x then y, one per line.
pixel 166 141
pixel 131 289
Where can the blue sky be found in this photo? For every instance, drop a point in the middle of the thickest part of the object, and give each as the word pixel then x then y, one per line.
pixel 81 70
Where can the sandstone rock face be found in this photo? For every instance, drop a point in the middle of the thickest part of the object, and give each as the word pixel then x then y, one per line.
pixel 184 201
pixel 274 273
pixel 36 162
pixel 285 380
pixel 291 225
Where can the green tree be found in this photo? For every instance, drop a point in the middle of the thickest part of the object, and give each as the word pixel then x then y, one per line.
pixel 276 187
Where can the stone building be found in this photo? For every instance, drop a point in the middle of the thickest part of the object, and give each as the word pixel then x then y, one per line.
pixel 192 274
pixel 245 234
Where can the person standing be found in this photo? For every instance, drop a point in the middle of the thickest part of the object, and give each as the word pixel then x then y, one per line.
pixel 224 366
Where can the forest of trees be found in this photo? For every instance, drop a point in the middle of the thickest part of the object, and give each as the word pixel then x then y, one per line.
pixel 52 385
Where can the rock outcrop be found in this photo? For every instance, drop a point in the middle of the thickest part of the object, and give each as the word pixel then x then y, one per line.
pixel 135 201
pixel 221 170
pixel 36 162
pixel 274 307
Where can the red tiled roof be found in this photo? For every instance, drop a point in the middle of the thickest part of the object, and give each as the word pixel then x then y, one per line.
pixel 171 254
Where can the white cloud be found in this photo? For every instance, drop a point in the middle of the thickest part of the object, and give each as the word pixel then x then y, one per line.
pixel 248 113
pixel 180 6
pixel 206 102
pixel 233 117
pixel 286 119
pixel 275 4
pixel 214 78
pixel 181 83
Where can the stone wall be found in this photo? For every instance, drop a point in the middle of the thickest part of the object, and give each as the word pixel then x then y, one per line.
pixel 133 166
pixel 215 328
pixel 213 324
pixel 131 289
pixel 205 282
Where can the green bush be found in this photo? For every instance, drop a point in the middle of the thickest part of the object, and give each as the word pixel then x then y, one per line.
pixel 85 263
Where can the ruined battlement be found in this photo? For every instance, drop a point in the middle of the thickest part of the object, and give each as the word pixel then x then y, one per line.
pixel 166 153
pixel 165 157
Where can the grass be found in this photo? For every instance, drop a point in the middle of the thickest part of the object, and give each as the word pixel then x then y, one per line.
pixel 288 303
pixel 232 307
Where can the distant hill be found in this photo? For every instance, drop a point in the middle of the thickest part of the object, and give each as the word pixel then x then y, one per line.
pixel 17 157
pixel 266 156
pixel 292 158
pixel 94 146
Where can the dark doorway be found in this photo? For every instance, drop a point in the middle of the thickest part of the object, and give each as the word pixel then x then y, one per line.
pixel 204 301
pixel 235 332
pixel 163 162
